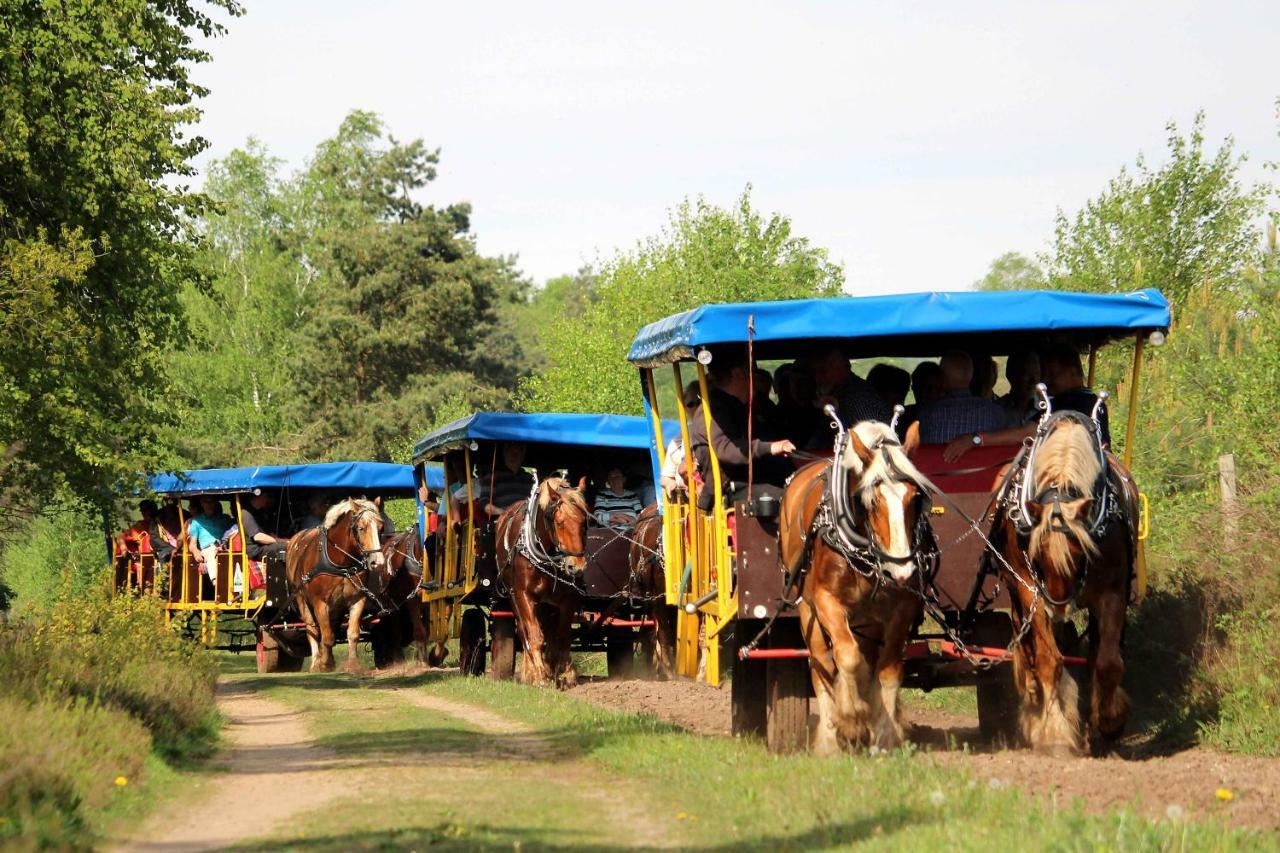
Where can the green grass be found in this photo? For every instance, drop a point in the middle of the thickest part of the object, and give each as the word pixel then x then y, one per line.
pixel 694 791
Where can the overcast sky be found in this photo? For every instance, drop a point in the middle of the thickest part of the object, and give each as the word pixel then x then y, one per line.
pixel 915 141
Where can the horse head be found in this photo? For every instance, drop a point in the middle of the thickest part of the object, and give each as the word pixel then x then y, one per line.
pixel 564 512
pixel 889 500
pixel 1066 474
pixel 352 526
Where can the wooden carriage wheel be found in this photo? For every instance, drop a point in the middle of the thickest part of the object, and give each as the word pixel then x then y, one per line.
pixel 503 648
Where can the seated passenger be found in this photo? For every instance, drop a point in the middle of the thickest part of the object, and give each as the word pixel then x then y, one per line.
pixel 985 374
pixel 854 398
pixel 891 383
pixel 388 526
pixel 674 469
pixel 926 389
pixel 508 484
pixel 317 506
pixel 135 540
pixel 958 412
pixel 1022 369
pixel 205 532
pixel 798 415
pixel 261 535
pixel 166 531
pixel 1064 377
pixel 616 505
pixel 727 398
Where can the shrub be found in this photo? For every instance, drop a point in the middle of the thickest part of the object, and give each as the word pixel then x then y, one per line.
pixel 60 553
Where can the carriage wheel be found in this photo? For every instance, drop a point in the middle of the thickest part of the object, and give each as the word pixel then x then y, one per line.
pixel 274 655
pixel 997 698
pixel 503 649
pixel 471 642
pixel 787 682
pixel 747 688
pixel 620 652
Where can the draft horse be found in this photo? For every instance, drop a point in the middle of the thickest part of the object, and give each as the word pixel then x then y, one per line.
pixel 329 567
pixel 541 552
pixel 404 571
pixel 649 581
pixel 855 539
pixel 1065 528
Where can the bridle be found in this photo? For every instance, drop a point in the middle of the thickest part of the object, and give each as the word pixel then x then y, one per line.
pixel 838 523
pixel 530 544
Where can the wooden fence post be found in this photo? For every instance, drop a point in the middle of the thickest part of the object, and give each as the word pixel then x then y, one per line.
pixel 1230 505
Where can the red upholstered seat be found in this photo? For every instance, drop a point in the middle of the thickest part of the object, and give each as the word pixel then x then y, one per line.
pixel 976 471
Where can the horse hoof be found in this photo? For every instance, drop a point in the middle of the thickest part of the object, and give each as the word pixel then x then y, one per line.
pixel 1057 750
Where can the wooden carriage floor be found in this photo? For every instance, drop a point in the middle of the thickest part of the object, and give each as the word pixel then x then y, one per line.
pixel 1140 775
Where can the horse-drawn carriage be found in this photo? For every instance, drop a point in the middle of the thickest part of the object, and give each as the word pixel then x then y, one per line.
pixel 740 595
pixel 238 601
pixel 486 459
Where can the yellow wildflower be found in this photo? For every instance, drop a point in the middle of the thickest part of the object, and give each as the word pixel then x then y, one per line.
pixel 121 781
pixel 1226 795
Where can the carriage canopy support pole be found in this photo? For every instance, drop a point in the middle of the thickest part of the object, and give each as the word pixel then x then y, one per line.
pixel 1132 420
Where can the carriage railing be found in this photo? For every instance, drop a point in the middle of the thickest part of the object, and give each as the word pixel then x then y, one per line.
pixel 452 574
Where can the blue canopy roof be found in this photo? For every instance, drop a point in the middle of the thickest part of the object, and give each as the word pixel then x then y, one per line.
pixel 622 431
pixel 905 324
pixel 384 477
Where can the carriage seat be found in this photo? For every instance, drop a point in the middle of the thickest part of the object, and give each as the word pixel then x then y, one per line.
pixel 976 471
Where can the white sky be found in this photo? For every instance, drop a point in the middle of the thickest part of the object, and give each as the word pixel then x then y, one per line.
pixel 915 141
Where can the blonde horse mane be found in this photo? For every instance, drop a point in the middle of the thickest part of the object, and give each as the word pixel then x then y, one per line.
pixel 1065 459
pixel 559 486
pixel 342 507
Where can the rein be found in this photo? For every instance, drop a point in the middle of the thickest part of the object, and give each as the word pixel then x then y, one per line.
pixel 530 546
pixel 356 565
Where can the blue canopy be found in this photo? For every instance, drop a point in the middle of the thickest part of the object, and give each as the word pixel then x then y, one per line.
pixel 382 477
pixel 621 431
pixel 905 324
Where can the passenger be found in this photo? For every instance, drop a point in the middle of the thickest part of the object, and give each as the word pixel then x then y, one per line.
pixel 763 388
pixel 166 532
pixel 728 402
pixel 205 532
pixel 508 484
pixel 926 389
pixel 1064 377
pixel 135 540
pixel 891 383
pixel 959 412
pixel 616 505
pixel 1022 369
pixel 674 469
pixel 798 414
pixel 261 534
pixel 855 400
pixel 985 374
pixel 317 506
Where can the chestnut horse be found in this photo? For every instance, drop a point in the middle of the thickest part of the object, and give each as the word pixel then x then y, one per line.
pixel 541 551
pixel 329 568
pixel 1065 527
pixel 649 581
pixel 855 539
pixel 404 569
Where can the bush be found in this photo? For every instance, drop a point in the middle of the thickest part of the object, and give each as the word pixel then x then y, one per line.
pixel 88 689
pixel 61 553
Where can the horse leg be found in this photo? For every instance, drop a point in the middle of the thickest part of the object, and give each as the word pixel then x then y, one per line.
pixel 887 731
pixel 312 629
pixel 822 671
pixel 324 621
pixel 533 667
pixel 1109 705
pixel 852 686
pixel 1055 726
pixel 420 638
pixel 664 639
pixel 566 674
pixel 352 663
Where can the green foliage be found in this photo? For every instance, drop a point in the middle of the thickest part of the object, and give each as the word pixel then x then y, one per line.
pixel 1174 227
pixel 94 231
pixel 705 254
pixel 565 296
pixel 1012 271
pixel 87 690
pixel 59 554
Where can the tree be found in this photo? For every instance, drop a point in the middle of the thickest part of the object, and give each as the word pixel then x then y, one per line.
pixel 705 254
pixel 1012 271
pixel 561 297
pixel 94 232
pixel 1172 227
pixel 405 314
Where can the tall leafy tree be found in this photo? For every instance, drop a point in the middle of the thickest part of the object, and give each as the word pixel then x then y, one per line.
pixel 406 312
pixel 95 97
pixel 705 254
pixel 1012 271
pixel 1171 226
